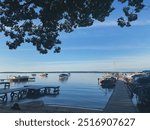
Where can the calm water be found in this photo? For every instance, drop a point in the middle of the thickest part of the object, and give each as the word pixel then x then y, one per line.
pixel 80 90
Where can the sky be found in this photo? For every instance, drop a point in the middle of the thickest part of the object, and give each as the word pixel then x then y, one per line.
pixel 101 47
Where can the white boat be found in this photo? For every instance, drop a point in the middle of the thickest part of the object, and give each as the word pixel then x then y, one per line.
pixel 19 78
pixel 63 76
pixel 44 74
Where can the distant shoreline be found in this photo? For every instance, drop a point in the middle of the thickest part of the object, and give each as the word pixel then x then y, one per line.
pixel 68 72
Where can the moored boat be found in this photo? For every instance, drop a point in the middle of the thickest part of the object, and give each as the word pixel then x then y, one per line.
pixel 19 78
pixel 44 74
pixel 33 75
pixel 63 76
pixel 108 82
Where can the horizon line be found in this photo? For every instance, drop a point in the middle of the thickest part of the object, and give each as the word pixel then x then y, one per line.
pixel 70 71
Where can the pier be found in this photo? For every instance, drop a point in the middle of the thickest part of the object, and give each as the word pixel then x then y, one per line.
pixel 120 101
pixel 30 91
pixel 6 84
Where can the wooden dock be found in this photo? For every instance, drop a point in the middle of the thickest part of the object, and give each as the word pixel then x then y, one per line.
pixel 6 84
pixel 30 91
pixel 120 102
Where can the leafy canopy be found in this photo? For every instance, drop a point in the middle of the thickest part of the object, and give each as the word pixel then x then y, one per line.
pixel 40 21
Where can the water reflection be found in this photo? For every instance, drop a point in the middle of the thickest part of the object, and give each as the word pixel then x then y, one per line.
pixel 142 107
pixel 62 80
pixel 78 90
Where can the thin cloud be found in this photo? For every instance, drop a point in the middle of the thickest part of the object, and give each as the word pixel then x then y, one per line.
pixel 105 24
pixel 142 23
pixel 113 23
pixel 106 48
pixel 116 63
pixel 16 50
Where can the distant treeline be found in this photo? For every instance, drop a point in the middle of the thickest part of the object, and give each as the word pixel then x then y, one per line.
pixel 68 72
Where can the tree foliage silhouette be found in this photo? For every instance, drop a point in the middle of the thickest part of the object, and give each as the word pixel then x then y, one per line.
pixel 40 21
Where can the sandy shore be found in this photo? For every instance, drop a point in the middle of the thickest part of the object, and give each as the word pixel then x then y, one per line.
pixel 40 107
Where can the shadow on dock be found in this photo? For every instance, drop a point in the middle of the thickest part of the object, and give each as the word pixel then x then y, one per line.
pixel 120 101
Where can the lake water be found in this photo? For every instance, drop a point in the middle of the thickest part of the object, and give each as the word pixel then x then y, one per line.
pixel 80 90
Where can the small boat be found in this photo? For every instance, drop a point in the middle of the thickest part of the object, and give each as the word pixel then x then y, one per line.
pixel 44 74
pixel 108 83
pixel 19 78
pixel 63 76
pixel 33 75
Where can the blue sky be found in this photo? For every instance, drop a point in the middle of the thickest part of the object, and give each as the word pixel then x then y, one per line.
pixel 102 47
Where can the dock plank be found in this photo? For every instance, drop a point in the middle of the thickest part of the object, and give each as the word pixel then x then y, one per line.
pixel 120 102
pixel 3 91
pixel 39 86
